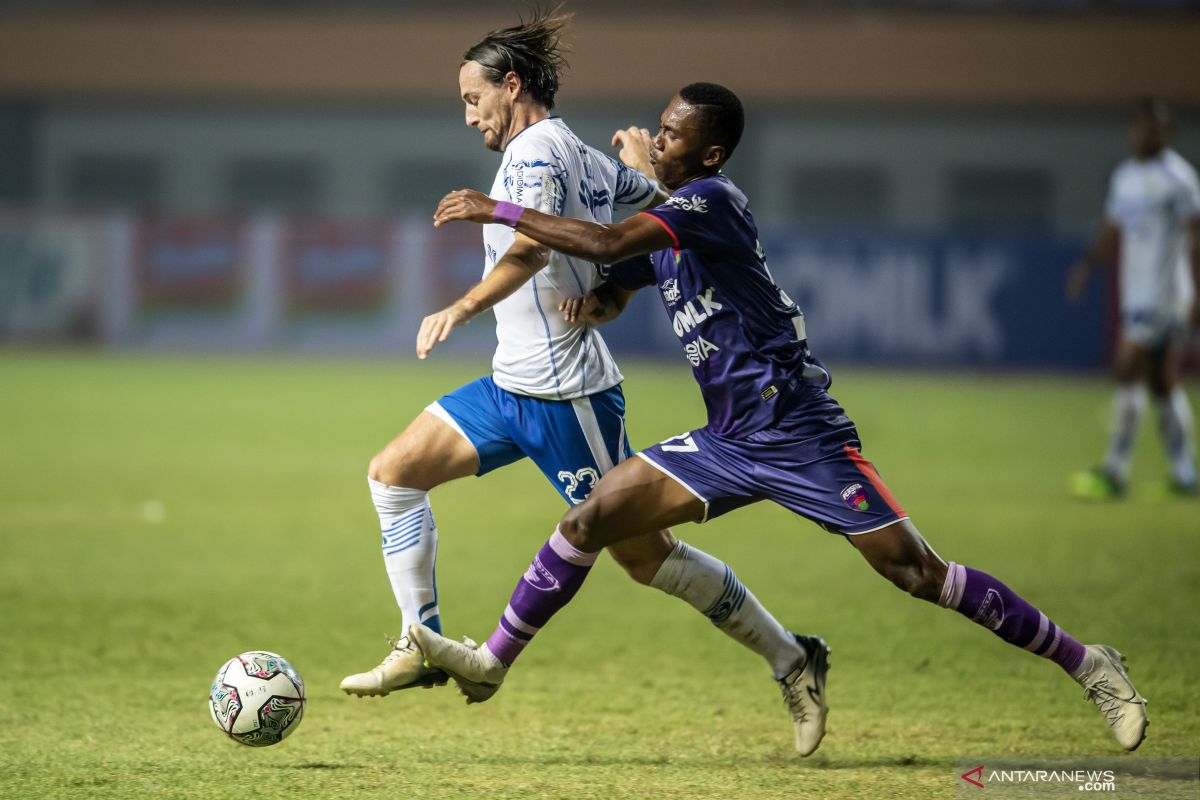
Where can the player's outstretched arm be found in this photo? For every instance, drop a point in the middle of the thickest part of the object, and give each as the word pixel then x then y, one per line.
pixel 1103 250
pixel 518 264
pixel 604 244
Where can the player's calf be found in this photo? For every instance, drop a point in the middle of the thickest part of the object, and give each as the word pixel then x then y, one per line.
pixel 642 557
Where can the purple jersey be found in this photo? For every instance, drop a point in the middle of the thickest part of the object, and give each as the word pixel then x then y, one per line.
pixel 742 334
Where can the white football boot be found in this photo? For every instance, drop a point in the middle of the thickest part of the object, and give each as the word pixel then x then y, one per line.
pixel 1105 682
pixel 474 668
pixel 804 694
pixel 402 668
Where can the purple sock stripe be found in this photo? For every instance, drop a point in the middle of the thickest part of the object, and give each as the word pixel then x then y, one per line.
pixel 514 631
pixel 567 552
pixel 1049 642
pixel 504 647
pixel 1040 638
pixel 517 623
pixel 1053 644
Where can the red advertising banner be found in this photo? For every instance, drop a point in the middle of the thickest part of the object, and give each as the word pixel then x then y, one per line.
pixel 189 262
pixel 337 265
pixel 455 261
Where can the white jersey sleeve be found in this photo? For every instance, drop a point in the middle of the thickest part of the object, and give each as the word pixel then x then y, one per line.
pixel 634 190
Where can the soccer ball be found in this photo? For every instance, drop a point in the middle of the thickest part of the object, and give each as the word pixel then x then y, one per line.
pixel 257 698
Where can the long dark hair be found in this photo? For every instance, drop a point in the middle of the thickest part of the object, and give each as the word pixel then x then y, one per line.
pixel 534 50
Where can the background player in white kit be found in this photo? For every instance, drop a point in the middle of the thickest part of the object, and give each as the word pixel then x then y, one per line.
pixel 1152 229
pixel 555 395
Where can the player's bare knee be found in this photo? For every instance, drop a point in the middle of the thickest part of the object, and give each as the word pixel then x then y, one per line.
pixel 376 468
pixel 576 528
pixel 919 579
pixel 389 467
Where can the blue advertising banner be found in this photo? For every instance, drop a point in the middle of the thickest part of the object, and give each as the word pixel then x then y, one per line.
pixel 935 300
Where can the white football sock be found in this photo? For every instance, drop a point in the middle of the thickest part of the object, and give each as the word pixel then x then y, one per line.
pixel 1175 424
pixel 409 551
pixel 1128 404
pixel 709 585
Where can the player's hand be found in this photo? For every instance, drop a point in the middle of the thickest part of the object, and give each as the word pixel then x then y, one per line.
pixel 464 204
pixel 588 310
pixel 635 149
pixel 436 328
pixel 570 308
pixel 1077 279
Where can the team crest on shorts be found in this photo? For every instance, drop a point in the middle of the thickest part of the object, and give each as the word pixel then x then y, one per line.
pixel 855 496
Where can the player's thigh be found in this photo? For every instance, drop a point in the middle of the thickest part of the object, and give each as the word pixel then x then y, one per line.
pixel 428 453
pixel 1131 361
pixel 631 500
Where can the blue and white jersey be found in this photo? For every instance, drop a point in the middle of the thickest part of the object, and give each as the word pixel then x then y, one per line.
pixel 548 168
pixel 1151 201
pixel 743 336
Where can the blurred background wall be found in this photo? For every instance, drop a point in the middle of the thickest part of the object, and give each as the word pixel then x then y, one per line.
pixel 260 175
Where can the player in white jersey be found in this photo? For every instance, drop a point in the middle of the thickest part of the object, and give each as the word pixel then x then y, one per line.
pixel 555 394
pixel 1152 229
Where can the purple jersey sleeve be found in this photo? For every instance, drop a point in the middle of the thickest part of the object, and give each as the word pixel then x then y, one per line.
pixel 698 216
pixel 633 273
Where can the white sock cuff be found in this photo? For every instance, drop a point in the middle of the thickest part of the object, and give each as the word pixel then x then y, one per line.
pixel 1131 395
pixel 394 501
pixel 952 588
pixel 1179 404
pixel 569 553
pixel 670 571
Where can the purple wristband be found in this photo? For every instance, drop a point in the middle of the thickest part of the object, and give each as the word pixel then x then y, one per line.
pixel 507 213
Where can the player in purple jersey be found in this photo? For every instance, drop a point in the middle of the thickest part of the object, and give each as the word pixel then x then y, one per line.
pixel 773 431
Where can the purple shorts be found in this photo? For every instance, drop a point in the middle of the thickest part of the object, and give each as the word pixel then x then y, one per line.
pixel 808 463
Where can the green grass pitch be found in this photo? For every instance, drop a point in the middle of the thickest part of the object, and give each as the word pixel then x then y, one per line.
pixel 160 514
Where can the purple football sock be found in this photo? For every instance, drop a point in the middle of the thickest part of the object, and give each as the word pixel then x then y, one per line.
pixel 551 581
pixel 981 598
